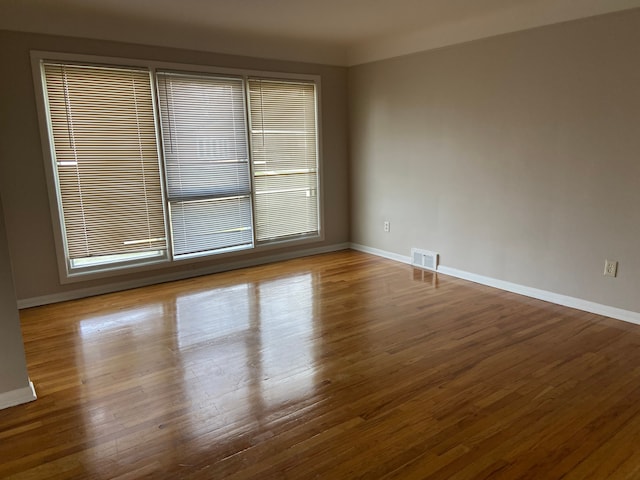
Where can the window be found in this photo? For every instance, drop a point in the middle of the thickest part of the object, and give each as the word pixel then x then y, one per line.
pixel 152 164
pixel 106 164
pixel 283 138
pixel 204 134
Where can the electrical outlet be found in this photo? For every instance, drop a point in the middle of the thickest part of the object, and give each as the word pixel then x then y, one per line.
pixel 610 268
pixel 387 226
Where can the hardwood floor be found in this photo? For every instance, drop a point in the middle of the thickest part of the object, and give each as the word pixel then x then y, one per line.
pixel 339 366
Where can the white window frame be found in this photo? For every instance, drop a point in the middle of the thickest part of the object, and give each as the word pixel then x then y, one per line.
pixel 65 275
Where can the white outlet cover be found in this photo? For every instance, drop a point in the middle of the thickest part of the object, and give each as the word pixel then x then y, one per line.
pixel 610 268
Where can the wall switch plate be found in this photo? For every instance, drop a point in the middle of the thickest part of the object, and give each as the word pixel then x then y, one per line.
pixel 610 268
pixel 387 226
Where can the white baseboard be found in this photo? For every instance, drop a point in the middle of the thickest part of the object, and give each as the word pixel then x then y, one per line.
pixel 18 397
pixel 223 267
pixel 557 298
pixel 381 253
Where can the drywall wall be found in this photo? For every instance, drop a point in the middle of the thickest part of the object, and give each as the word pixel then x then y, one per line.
pixel 22 177
pixel 13 366
pixel 515 157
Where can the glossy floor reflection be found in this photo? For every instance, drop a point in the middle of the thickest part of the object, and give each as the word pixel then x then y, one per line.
pixel 337 366
pixel 226 355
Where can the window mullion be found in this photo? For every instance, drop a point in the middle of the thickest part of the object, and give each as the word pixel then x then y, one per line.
pixel 247 113
pixel 161 162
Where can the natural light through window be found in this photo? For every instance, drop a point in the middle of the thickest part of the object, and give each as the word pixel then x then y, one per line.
pixel 157 165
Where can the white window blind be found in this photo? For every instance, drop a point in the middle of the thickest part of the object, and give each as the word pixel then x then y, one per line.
pixel 285 158
pixel 106 163
pixel 206 162
pixel 152 165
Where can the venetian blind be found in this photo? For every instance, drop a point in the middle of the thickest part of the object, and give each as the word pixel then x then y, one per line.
pixel 106 160
pixel 285 158
pixel 204 133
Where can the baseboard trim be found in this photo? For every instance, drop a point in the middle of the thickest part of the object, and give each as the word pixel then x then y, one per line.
pixel 18 396
pixel 116 287
pixel 381 253
pixel 557 298
pixel 547 296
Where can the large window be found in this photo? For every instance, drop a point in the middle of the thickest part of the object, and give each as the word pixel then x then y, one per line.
pixel 154 164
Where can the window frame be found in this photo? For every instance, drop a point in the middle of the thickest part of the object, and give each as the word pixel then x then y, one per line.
pixel 65 274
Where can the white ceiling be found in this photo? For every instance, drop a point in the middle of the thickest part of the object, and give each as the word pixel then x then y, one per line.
pixel 340 32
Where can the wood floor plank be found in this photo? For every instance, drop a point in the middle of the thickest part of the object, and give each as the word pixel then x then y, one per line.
pixel 337 366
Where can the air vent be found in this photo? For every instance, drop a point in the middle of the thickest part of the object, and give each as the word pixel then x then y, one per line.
pixel 424 259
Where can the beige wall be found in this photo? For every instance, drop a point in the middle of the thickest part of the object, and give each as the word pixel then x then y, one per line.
pixel 516 157
pixel 22 178
pixel 13 367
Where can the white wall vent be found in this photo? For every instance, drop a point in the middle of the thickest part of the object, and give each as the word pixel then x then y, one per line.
pixel 424 259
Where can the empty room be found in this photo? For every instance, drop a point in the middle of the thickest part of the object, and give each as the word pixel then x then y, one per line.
pixel 300 239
